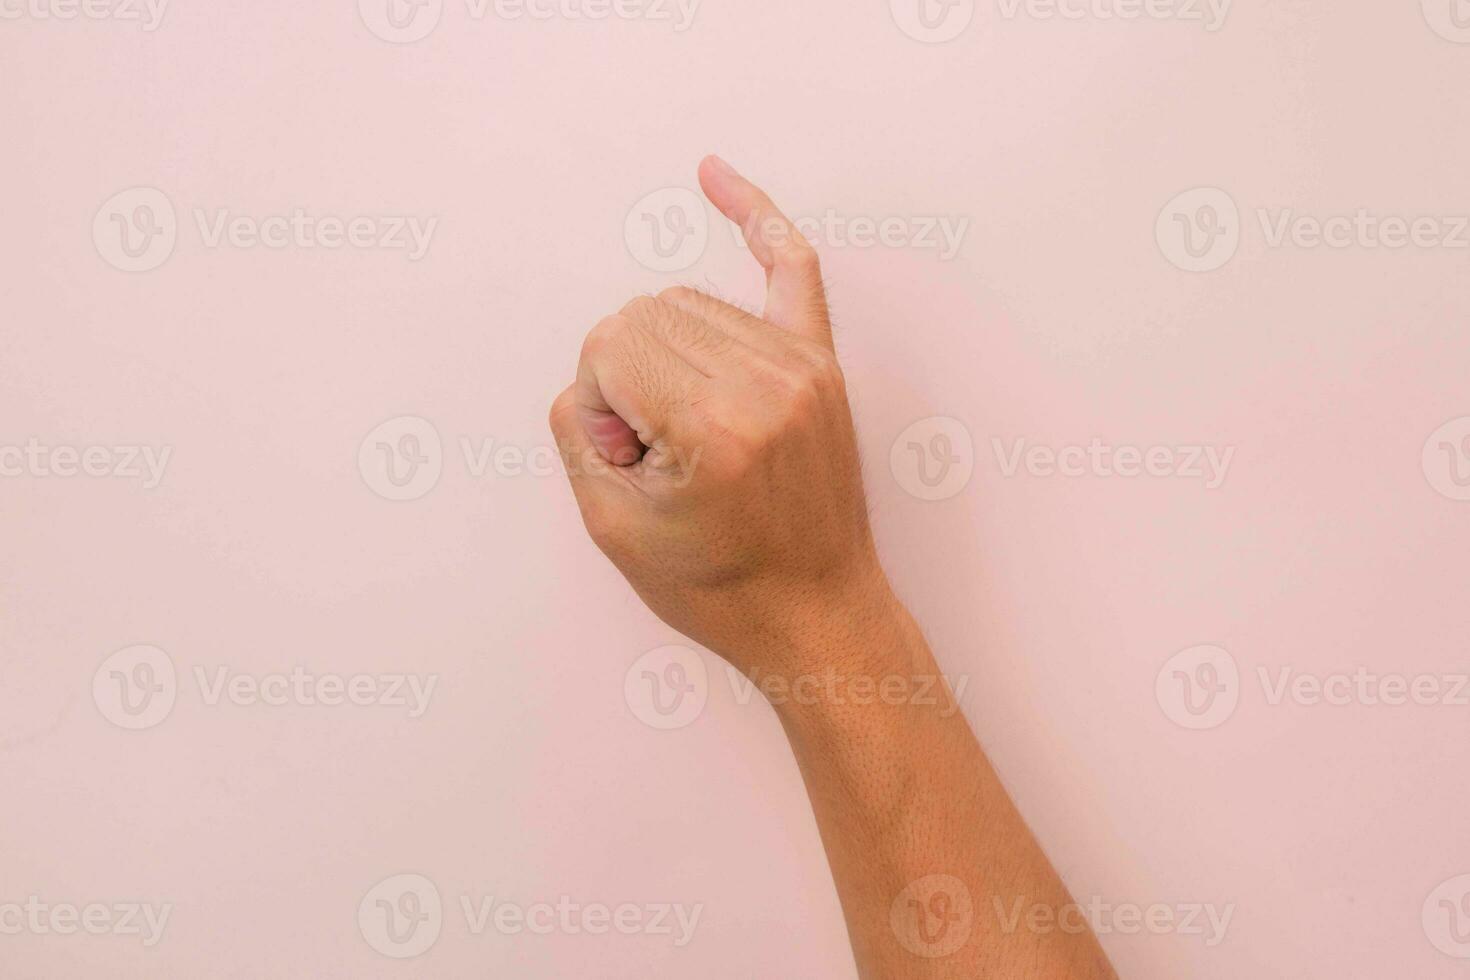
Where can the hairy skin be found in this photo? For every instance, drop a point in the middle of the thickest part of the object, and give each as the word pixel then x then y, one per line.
pixel 731 499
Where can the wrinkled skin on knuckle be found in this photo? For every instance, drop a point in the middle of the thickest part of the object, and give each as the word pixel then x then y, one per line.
pixel 562 414
pixel 604 335
pixel 686 295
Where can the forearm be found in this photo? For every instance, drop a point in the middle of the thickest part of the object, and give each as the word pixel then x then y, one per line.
pixel 736 510
pixel 902 791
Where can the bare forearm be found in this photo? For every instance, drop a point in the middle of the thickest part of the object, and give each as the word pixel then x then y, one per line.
pixel 734 506
pixel 930 857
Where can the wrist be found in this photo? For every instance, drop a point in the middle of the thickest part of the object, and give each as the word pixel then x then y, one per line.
pixel 853 657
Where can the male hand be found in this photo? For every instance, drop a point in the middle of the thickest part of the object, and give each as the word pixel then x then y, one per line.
pixel 713 457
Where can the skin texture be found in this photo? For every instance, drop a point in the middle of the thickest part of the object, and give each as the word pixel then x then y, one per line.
pixel 713 458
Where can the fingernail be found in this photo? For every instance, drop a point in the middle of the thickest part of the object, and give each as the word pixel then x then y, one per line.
pixel 721 166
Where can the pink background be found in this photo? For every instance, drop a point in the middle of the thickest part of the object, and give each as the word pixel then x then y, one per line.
pixel 529 777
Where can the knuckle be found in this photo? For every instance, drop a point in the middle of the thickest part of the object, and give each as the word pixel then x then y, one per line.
pixel 803 258
pixel 640 308
pixel 603 335
pixel 562 409
pixel 680 295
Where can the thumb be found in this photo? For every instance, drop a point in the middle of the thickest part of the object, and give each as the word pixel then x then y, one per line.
pixel 795 298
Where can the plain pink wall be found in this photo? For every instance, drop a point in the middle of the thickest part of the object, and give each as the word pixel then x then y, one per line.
pixel 1065 316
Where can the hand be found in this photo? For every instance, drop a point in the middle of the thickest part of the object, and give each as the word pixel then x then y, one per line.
pixel 734 502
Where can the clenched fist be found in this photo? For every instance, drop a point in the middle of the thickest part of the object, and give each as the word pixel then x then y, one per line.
pixel 713 457
pixel 731 497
